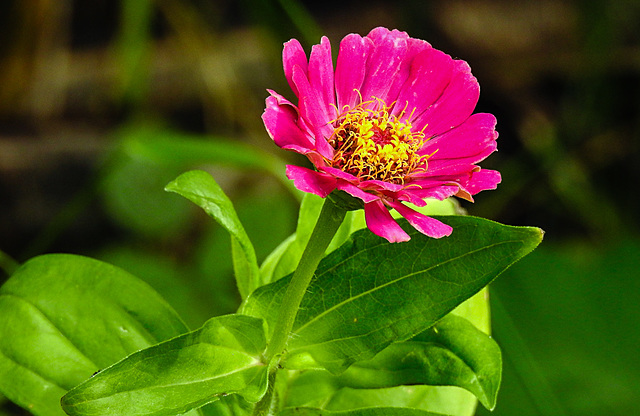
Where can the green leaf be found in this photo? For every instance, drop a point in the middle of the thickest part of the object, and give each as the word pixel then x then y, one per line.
pixel 63 317
pixel 290 256
pixel 222 357
pixel 323 390
pixel 270 264
pixel 231 405
pixel 438 399
pixel 372 411
pixel 285 259
pixel 176 148
pixel 369 294
pixel 199 187
pixel 453 352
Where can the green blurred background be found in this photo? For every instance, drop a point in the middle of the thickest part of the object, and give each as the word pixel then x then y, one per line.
pixel 102 103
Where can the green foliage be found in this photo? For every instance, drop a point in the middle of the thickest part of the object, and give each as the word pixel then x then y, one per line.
pixel 65 317
pixel 368 294
pixel 374 411
pixel 451 353
pixel 401 327
pixel 223 357
pixel 200 188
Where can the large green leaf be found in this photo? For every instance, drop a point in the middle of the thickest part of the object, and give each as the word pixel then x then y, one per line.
pixel 369 294
pixel 451 353
pixel 372 411
pixel 200 188
pixel 223 357
pixel 63 317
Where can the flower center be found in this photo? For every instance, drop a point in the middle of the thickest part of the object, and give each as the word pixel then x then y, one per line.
pixel 373 144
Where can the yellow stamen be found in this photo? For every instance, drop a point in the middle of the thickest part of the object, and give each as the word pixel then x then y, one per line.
pixel 373 144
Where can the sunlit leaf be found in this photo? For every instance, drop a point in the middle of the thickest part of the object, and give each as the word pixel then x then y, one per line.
pixel 447 400
pixel 369 294
pixel 64 317
pixel 200 188
pixel 372 411
pixel 451 353
pixel 222 357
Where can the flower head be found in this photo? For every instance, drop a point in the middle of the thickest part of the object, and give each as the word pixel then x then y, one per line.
pixel 392 124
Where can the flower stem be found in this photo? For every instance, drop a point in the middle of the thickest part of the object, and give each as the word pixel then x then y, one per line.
pixel 330 219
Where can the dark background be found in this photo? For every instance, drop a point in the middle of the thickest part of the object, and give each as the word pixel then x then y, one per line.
pixel 104 102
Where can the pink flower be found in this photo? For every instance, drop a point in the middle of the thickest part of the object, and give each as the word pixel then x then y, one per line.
pixel 392 124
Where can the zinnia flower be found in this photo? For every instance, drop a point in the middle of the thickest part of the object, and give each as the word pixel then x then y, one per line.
pixel 392 124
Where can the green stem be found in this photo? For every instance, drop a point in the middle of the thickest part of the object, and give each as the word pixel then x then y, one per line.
pixel 268 404
pixel 330 219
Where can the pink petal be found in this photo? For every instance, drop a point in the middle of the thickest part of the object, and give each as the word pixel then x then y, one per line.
pixel 409 196
pixel 414 49
pixel 382 224
pixel 313 110
pixel 321 75
pixel 476 136
pixel 385 64
pixel 311 181
pixel 431 72
pixel 356 192
pixel 439 189
pixel 377 34
pixel 426 225
pixel 482 180
pixel 340 174
pixel 293 55
pixel 410 48
pixel 455 105
pixel 418 45
pixel 280 118
pixel 374 184
pixel 350 70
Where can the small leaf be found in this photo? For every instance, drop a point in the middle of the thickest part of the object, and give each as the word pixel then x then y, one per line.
pixel 308 216
pixel 65 317
pixel 269 265
pixel 222 357
pixel 369 294
pixel 372 411
pixel 200 188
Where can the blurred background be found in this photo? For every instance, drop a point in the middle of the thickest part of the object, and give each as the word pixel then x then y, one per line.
pixel 102 103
